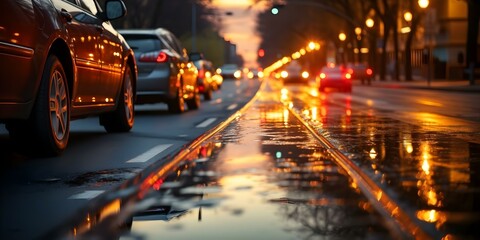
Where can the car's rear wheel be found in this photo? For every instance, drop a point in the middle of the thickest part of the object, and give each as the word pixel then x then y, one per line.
pixel 194 102
pixel 177 105
pixel 47 130
pixel 122 119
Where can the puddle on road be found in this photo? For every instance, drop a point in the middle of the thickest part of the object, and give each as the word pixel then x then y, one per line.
pixel 263 177
pixel 436 175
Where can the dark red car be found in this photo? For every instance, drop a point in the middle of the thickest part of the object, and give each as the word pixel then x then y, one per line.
pixel 337 77
pixel 61 60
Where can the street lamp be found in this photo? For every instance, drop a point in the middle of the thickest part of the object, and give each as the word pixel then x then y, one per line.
pixel 369 22
pixel 423 3
pixel 342 36
pixel 408 16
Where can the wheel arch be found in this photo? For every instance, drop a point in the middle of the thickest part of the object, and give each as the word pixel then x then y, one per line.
pixel 60 49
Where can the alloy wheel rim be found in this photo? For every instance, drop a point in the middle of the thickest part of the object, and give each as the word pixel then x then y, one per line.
pixel 58 104
pixel 128 98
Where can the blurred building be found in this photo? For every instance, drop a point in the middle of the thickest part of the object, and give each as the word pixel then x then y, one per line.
pixel 443 31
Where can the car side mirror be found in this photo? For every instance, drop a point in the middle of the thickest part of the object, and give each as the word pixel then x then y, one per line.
pixel 115 9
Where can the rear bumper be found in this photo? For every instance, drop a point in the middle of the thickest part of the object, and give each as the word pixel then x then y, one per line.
pixel 335 83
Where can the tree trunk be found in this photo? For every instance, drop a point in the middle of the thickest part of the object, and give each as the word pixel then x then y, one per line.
pixel 408 48
pixel 472 33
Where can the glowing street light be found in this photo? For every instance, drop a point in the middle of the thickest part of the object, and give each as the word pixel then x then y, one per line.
pixel 358 30
pixel 342 36
pixel 369 22
pixel 423 3
pixel 408 16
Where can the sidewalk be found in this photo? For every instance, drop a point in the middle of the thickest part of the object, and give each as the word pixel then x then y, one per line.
pixel 442 85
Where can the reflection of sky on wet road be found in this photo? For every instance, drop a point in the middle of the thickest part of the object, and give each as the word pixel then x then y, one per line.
pixel 272 181
pixel 436 175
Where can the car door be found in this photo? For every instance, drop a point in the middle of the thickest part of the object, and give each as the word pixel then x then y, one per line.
pixel 112 62
pixel 84 34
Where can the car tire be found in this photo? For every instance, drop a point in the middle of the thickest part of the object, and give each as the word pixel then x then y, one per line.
pixel 194 102
pixel 177 105
pixel 47 130
pixel 122 119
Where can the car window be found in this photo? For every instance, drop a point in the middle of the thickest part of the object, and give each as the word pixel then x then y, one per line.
pixel 89 5
pixel 143 43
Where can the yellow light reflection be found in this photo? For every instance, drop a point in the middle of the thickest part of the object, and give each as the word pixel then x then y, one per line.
pixel 430 215
pixel 286 115
pixel 430 103
pixel 314 115
pixel 110 209
pixel 426 166
pixel 373 154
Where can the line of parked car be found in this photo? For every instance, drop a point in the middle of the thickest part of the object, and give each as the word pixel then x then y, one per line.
pixel 62 60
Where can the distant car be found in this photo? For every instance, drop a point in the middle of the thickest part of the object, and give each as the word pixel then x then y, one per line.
pixel 206 84
pixel 230 71
pixel 165 73
pixel 361 71
pixel 60 61
pixel 335 77
pixel 293 72
pixel 218 79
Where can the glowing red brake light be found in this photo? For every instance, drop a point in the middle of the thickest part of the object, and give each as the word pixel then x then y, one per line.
pixel 159 57
pixel 201 73
pixel 162 57
pixel 369 71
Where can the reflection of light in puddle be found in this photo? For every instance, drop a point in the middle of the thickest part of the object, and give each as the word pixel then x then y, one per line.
pixel 373 154
pixel 431 216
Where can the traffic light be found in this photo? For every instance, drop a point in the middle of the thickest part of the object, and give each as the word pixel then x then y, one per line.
pixel 276 8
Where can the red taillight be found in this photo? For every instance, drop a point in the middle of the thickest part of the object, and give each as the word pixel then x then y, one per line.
pixel 159 57
pixel 369 71
pixel 201 73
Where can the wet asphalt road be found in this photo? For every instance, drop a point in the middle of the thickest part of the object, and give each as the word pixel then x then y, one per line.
pixel 264 176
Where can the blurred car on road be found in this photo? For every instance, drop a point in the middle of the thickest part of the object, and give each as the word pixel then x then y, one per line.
pixel 218 79
pixel 335 77
pixel 205 81
pixel 60 61
pixel 230 71
pixel 165 72
pixel 293 72
pixel 361 71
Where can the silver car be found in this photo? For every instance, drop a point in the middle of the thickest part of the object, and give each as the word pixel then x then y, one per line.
pixel 165 73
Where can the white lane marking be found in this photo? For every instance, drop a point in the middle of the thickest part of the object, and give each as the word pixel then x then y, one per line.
pixel 149 154
pixel 206 123
pixel 233 106
pixel 87 194
pixel 218 101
